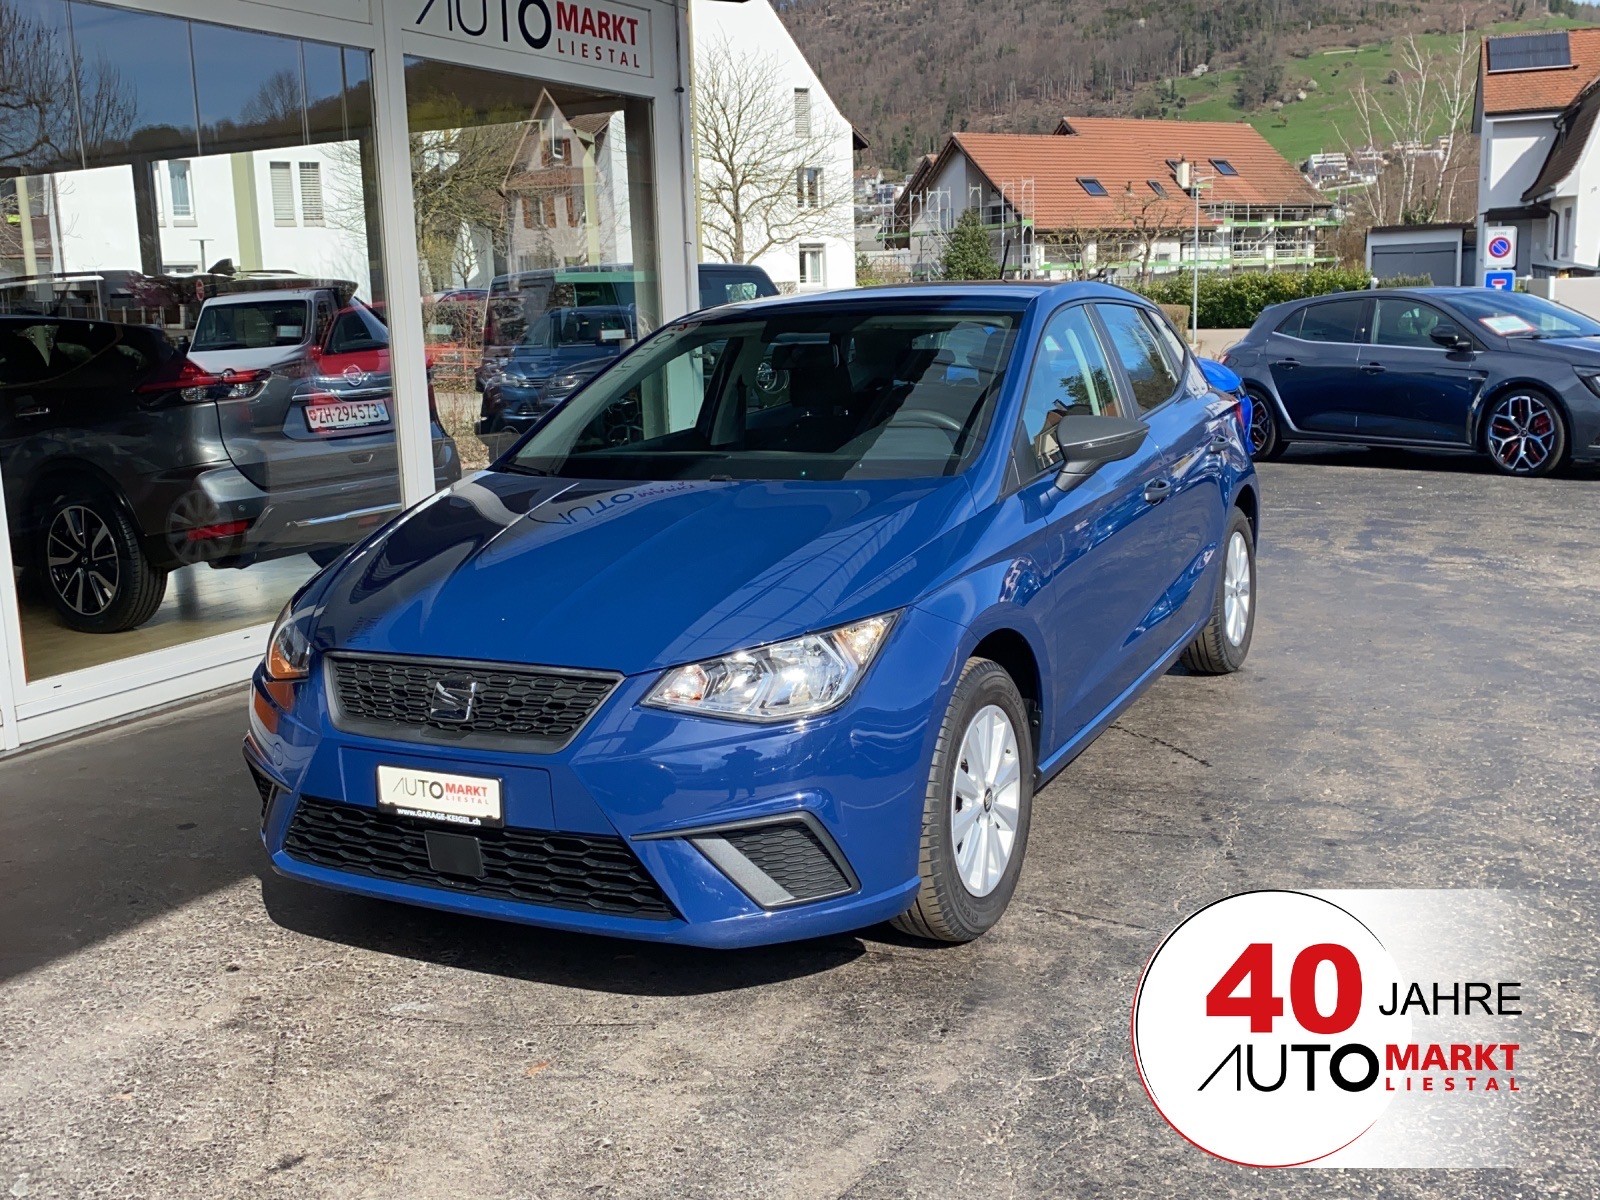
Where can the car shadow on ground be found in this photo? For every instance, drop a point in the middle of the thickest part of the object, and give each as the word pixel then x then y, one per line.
pixel 546 956
pixel 1453 462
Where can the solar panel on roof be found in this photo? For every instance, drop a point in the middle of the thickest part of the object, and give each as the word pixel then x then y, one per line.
pixel 1529 52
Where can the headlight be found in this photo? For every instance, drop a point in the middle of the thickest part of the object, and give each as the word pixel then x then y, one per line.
pixel 566 383
pixel 1591 379
pixel 781 682
pixel 515 380
pixel 289 647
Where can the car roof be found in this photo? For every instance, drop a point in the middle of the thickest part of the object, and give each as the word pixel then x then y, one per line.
pixel 998 294
pixel 268 294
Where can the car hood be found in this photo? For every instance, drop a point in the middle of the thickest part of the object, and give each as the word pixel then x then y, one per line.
pixel 635 577
pixel 1580 351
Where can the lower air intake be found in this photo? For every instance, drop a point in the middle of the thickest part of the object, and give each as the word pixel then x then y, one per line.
pixel 778 864
pixel 586 872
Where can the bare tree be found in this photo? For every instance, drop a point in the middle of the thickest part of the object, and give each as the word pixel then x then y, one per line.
pixel 1430 98
pixel 1147 218
pixel 38 125
pixel 755 151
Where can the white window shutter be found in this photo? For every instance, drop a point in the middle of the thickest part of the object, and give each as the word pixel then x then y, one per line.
pixel 311 193
pixel 282 193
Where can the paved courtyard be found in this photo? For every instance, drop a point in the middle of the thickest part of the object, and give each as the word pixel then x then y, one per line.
pixel 1421 709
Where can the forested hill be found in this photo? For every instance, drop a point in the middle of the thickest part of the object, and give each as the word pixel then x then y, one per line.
pixel 908 71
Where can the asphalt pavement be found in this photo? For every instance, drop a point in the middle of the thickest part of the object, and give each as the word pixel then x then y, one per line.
pixel 1421 708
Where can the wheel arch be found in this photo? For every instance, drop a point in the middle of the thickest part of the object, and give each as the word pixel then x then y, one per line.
pixel 1490 396
pixel 56 473
pixel 1011 649
pixel 1248 502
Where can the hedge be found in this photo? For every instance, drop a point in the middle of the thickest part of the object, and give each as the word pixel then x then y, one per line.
pixel 1235 300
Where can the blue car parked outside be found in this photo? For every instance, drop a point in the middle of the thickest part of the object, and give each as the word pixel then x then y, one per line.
pixel 1512 376
pixel 775 628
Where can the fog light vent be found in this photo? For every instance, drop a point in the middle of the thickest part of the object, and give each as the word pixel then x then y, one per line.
pixel 778 863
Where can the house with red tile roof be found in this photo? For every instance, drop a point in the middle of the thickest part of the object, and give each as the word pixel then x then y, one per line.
pixel 1538 105
pixel 1118 198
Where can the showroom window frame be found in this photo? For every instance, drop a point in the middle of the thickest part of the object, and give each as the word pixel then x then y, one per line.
pixel 31 711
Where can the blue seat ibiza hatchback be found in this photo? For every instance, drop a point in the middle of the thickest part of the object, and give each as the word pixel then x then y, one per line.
pixel 775 628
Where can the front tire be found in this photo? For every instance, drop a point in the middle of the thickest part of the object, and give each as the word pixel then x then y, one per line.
pixel 92 563
pixel 1221 647
pixel 977 809
pixel 1266 435
pixel 1525 434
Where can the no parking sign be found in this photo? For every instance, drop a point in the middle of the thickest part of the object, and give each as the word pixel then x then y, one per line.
pixel 1499 254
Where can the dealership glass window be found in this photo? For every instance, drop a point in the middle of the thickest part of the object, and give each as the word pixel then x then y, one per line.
pixel 535 239
pixel 180 443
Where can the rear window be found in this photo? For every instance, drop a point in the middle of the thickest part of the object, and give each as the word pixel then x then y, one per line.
pixel 732 287
pixel 1336 321
pixel 252 325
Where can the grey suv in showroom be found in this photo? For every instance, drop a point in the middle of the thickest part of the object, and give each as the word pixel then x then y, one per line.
pixel 123 459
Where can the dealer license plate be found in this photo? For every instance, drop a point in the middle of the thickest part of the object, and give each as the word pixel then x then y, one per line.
pixel 470 800
pixel 354 415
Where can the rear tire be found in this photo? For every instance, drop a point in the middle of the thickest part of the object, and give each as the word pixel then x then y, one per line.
pixel 976 810
pixel 92 564
pixel 1221 647
pixel 1266 435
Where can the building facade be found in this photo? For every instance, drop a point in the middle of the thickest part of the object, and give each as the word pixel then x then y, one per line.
pixel 1538 99
pixel 805 235
pixel 292 183
pixel 1117 199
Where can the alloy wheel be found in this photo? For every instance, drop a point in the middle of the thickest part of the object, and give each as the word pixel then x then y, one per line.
pixel 82 557
pixel 1260 425
pixel 985 800
pixel 1523 431
pixel 1236 590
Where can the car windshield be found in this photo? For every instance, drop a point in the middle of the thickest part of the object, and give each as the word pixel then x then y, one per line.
pixel 824 394
pixel 1517 314
pixel 256 325
pixel 579 327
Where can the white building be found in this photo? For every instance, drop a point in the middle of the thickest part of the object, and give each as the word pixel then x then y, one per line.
pixel 820 257
pixel 1538 97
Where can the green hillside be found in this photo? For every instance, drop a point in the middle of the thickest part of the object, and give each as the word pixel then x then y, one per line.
pixel 1326 118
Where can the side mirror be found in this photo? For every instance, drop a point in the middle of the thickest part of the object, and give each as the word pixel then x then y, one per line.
pixel 1451 338
pixel 1088 443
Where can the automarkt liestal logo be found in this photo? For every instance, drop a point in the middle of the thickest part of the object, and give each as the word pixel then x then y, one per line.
pixel 1274 1029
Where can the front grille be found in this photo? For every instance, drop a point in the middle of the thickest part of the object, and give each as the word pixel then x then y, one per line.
pixel 793 857
pixel 585 872
pixel 525 708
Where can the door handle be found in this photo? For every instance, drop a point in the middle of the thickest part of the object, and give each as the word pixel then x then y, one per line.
pixel 39 410
pixel 1288 364
pixel 1373 369
pixel 1157 490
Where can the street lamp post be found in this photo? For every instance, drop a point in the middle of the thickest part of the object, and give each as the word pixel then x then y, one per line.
pixel 1192 181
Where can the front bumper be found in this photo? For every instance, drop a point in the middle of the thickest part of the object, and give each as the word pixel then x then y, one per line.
pixel 676 792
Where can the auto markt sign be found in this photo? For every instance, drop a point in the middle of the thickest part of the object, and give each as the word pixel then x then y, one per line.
pixel 615 36
pixel 1499 255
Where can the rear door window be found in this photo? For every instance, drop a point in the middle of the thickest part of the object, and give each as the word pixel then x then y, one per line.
pixel 1335 321
pixel 252 325
pixel 1153 378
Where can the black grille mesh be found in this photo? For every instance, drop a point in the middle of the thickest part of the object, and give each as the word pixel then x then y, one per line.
pixel 527 703
pixel 793 857
pixel 587 872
